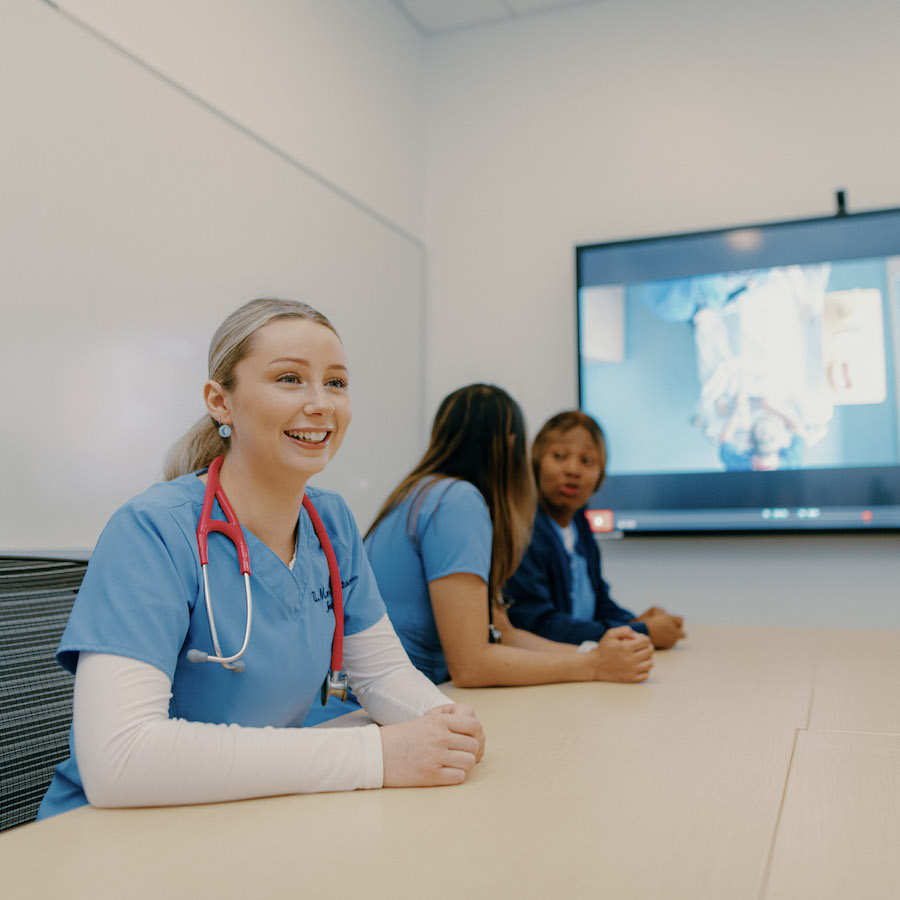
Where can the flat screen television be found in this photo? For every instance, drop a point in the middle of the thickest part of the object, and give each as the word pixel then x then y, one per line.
pixel 746 378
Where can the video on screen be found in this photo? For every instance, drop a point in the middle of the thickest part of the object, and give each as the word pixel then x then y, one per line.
pixel 780 368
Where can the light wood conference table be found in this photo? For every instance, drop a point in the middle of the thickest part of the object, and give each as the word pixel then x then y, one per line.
pixel 755 763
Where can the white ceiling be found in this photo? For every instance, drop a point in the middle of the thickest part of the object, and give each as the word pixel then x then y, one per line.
pixel 436 17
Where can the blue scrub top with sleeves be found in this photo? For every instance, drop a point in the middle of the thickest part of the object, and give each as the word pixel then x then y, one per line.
pixel 451 533
pixel 142 597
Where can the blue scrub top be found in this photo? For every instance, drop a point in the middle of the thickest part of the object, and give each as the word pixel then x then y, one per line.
pixel 142 597
pixel 582 599
pixel 451 532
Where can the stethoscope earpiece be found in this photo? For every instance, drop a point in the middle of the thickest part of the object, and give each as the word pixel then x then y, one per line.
pixel 198 656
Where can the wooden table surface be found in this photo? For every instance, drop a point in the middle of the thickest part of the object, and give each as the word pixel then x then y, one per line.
pixel 756 763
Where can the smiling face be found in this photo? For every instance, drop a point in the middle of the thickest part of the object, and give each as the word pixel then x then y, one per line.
pixel 290 404
pixel 569 472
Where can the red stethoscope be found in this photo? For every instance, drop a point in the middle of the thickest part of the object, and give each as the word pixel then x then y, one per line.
pixel 335 684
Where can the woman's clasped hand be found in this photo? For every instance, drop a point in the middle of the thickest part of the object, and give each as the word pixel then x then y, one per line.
pixel 441 747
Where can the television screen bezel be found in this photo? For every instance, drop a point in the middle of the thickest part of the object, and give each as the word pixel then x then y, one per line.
pixel 771 527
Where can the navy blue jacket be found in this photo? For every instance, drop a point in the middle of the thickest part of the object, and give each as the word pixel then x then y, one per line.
pixel 540 589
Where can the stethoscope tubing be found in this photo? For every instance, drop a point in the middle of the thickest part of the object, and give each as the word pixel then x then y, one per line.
pixel 335 682
pixel 334 576
pixel 231 662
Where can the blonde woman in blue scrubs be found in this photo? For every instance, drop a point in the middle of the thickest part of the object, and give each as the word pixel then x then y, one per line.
pixel 152 727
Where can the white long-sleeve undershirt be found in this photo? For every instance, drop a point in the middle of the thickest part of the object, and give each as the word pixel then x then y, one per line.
pixel 131 753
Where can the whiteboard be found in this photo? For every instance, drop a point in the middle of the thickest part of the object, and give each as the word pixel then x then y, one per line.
pixel 132 221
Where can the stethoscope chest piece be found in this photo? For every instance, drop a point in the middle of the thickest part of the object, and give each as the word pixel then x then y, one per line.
pixel 335 685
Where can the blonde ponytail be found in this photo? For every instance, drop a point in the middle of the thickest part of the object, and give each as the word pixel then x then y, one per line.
pixel 195 450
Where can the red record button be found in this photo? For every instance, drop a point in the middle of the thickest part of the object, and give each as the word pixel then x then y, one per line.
pixel 599 519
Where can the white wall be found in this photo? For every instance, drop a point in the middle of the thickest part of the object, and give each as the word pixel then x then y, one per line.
pixel 160 165
pixel 163 162
pixel 337 85
pixel 623 119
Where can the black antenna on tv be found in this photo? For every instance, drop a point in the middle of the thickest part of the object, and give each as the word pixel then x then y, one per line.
pixel 841 198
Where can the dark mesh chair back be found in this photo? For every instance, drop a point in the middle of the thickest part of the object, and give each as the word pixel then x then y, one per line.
pixel 36 596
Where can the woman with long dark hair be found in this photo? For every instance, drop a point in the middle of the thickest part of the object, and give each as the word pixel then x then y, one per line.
pixel 450 535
